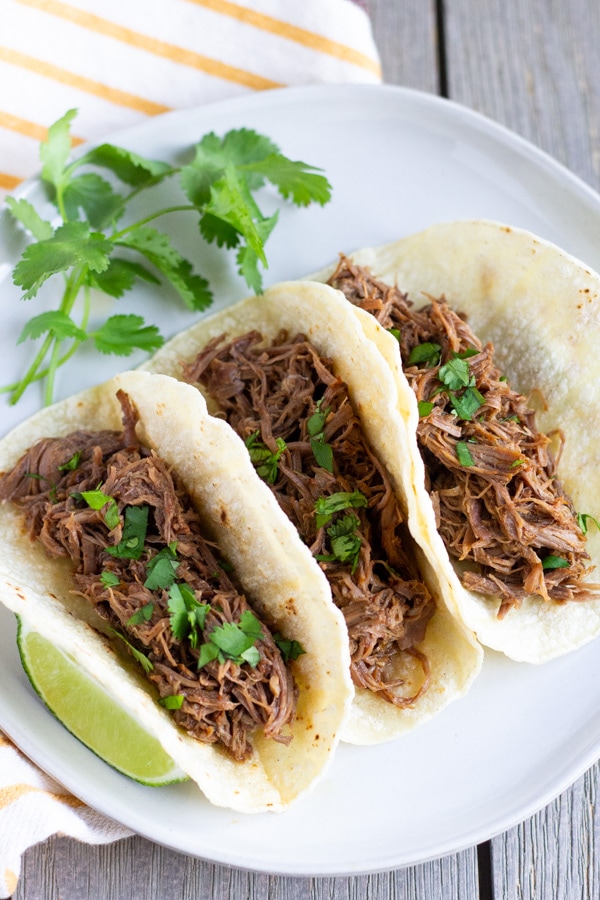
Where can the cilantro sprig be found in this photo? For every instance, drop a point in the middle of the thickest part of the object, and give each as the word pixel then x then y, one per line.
pixel 93 248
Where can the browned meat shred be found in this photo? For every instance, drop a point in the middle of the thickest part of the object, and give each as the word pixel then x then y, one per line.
pixel 506 513
pixel 223 701
pixel 274 391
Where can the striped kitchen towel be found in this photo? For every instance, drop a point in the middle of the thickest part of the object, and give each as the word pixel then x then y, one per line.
pixel 119 63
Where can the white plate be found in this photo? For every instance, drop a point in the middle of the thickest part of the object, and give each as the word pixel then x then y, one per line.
pixel 399 161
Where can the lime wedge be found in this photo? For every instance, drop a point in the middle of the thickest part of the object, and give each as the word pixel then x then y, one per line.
pixel 91 714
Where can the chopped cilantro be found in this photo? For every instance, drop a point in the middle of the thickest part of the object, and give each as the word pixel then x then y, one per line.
pixel 468 403
pixel 583 519
pixel 109 579
pixel 289 650
pixel 187 615
pixel 143 660
pixel 464 454
pixel 143 614
pixel 395 332
pixel 425 407
pixel 326 507
pixel 233 641
pixel 131 545
pixel 425 353
pixel 345 541
pixel 98 500
pixel 173 701
pixel 161 571
pixel 455 374
pixel 71 464
pixel 315 425
pixel 555 562
pixel 264 460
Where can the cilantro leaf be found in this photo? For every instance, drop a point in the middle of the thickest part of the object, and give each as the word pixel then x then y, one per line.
pixel 71 245
pixel 143 660
pixel 121 334
pixel 464 454
pixel 143 614
pixel 120 276
pixel 187 615
pixel 582 521
pixel 27 215
pixel 455 374
pixel 53 322
pixel 129 167
pixel 98 500
pixel 289 650
pixel 467 404
pixel 55 150
pixel 425 407
pixel 71 464
pixel 131 545
pixel 95 196
pixel 231 201
pixel 426 352
pixel 235 641
pixel 326 507
pixel 109 579
pixel 264 460
pixel 161 571
pixel 295 181
pixel 555 562
pixel 172 701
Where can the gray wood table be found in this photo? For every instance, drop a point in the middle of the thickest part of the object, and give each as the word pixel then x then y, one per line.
pixel 532 65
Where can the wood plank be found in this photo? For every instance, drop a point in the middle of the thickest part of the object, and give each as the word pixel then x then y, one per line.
pixel 406 35
pixel 534 67
pixel 136 869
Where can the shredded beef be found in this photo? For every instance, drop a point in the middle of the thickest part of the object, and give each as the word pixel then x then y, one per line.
pixel 272 393
pixel 505 512
pixel 223 701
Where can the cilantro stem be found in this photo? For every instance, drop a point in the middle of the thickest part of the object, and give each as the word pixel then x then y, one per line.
pixel 151 217
pixel 29 376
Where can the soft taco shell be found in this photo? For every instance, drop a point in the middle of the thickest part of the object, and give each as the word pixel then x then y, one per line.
pixel 540 307
pixel 273 566
pixel 326 319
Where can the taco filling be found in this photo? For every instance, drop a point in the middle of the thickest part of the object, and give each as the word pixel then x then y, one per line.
pixel 491 474
pixel 140 556
pixel 307 443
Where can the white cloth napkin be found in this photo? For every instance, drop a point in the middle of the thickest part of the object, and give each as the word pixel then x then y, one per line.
pixel 119 63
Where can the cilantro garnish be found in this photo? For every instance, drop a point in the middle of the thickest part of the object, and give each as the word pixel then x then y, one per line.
pixel 326 507
pixel 425 407
pixel 426 352
pixel 345 541
pixel 98 500
pixel 315 425
pixel 109 579
pixel 162 568
pixel 173 701
pixel 455 376
pixel 583 519
pixel 264 460
pixel 555 562
pixel 464 454
pixel 289 650
pixel 71 464
pixel 233 641
pixel 140 657
pixel 396 333
pixel 143 614
pixel 91 248
pixel 187 615
pixel 131 545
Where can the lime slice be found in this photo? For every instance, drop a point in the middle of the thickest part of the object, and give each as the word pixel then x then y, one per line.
pixel 91 714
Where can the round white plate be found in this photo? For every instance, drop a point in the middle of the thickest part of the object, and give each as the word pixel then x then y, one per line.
pixel 398 161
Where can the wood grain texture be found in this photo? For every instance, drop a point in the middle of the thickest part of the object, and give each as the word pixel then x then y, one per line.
pixel 532 66
pixel 406 35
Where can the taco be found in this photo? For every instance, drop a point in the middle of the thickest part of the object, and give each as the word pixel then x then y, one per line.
pixel 498 334
pixel 293 374
pixel 133 521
